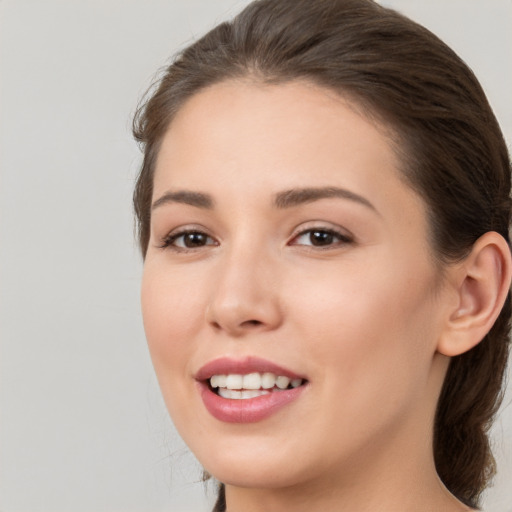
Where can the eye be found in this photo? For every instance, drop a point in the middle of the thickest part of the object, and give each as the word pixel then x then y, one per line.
pixel 318 237
pixel 187 240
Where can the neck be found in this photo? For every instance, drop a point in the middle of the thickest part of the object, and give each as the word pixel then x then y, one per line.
pixel 394 472
pixel 415 487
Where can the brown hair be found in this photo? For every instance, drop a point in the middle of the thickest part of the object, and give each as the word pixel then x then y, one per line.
pixel 450 145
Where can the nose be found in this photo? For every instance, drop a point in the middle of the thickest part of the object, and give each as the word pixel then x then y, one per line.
pixel 245 296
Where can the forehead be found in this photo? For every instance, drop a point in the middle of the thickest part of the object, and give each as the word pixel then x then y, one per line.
pixel 243 143
pixel 240 125
pixel 242 138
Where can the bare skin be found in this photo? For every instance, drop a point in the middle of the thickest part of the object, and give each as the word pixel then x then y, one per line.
pixel 340 288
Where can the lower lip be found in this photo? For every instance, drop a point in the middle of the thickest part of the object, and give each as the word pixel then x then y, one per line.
pixel 249 410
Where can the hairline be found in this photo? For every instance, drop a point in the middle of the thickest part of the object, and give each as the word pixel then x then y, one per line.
pixel 382 121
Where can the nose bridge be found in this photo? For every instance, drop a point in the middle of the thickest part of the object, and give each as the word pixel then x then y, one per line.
pixel 245 295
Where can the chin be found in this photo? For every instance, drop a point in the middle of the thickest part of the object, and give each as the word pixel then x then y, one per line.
pixel 247 475
pixel 251 468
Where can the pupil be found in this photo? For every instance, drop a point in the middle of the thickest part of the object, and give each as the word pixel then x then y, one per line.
pixel 321 238
pixel 195 240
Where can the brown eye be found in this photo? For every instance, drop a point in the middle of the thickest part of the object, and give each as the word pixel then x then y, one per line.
pixel 321 238
pixel 189 240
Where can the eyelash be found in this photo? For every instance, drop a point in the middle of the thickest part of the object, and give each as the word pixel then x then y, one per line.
pixel 342 238
pixel 169 242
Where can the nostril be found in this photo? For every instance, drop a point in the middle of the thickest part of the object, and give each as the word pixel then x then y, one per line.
pixel 247 324
pixel 216 325
pixel 252 323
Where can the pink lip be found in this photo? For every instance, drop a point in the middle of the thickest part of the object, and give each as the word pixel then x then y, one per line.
pixel 225 365
pixel 248 410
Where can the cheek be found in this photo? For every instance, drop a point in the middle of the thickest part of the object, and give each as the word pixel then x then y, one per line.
pixel 371 329
pixel 171 311
pixel 371 343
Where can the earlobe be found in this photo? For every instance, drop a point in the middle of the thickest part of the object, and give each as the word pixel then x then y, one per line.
pixel 483 282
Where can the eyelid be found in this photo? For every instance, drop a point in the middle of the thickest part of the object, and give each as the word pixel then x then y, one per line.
pixel 166 242
pixel 345 236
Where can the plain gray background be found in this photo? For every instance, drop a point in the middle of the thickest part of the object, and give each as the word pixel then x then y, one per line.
pixel 83 427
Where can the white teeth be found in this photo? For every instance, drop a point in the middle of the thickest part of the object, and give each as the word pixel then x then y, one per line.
pixel 234 394
pixel 238 386
pixel 252 381
pixel 234 381
pixel 230 393
pixel 253 393
pixel 268 380
pixel 295 383
pixel 218 381
pixel 282 382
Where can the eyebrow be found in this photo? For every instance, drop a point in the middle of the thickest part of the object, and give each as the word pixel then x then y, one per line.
pixel 282 200
pixel 298 196
pixel 197 199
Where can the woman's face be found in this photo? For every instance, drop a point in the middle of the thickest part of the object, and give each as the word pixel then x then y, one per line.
pixel 284 244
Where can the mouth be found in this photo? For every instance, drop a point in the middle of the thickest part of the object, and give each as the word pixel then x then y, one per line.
pixel 248 390
pixel 236 386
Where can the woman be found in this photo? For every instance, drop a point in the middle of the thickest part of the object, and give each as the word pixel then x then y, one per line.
pixel 323 209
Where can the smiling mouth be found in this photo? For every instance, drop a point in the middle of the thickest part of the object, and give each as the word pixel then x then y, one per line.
pixel 251 385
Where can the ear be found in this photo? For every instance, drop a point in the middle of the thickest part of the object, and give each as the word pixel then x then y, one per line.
pixel 482 282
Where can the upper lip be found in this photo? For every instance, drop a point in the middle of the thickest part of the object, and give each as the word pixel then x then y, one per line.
pixel 228 365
